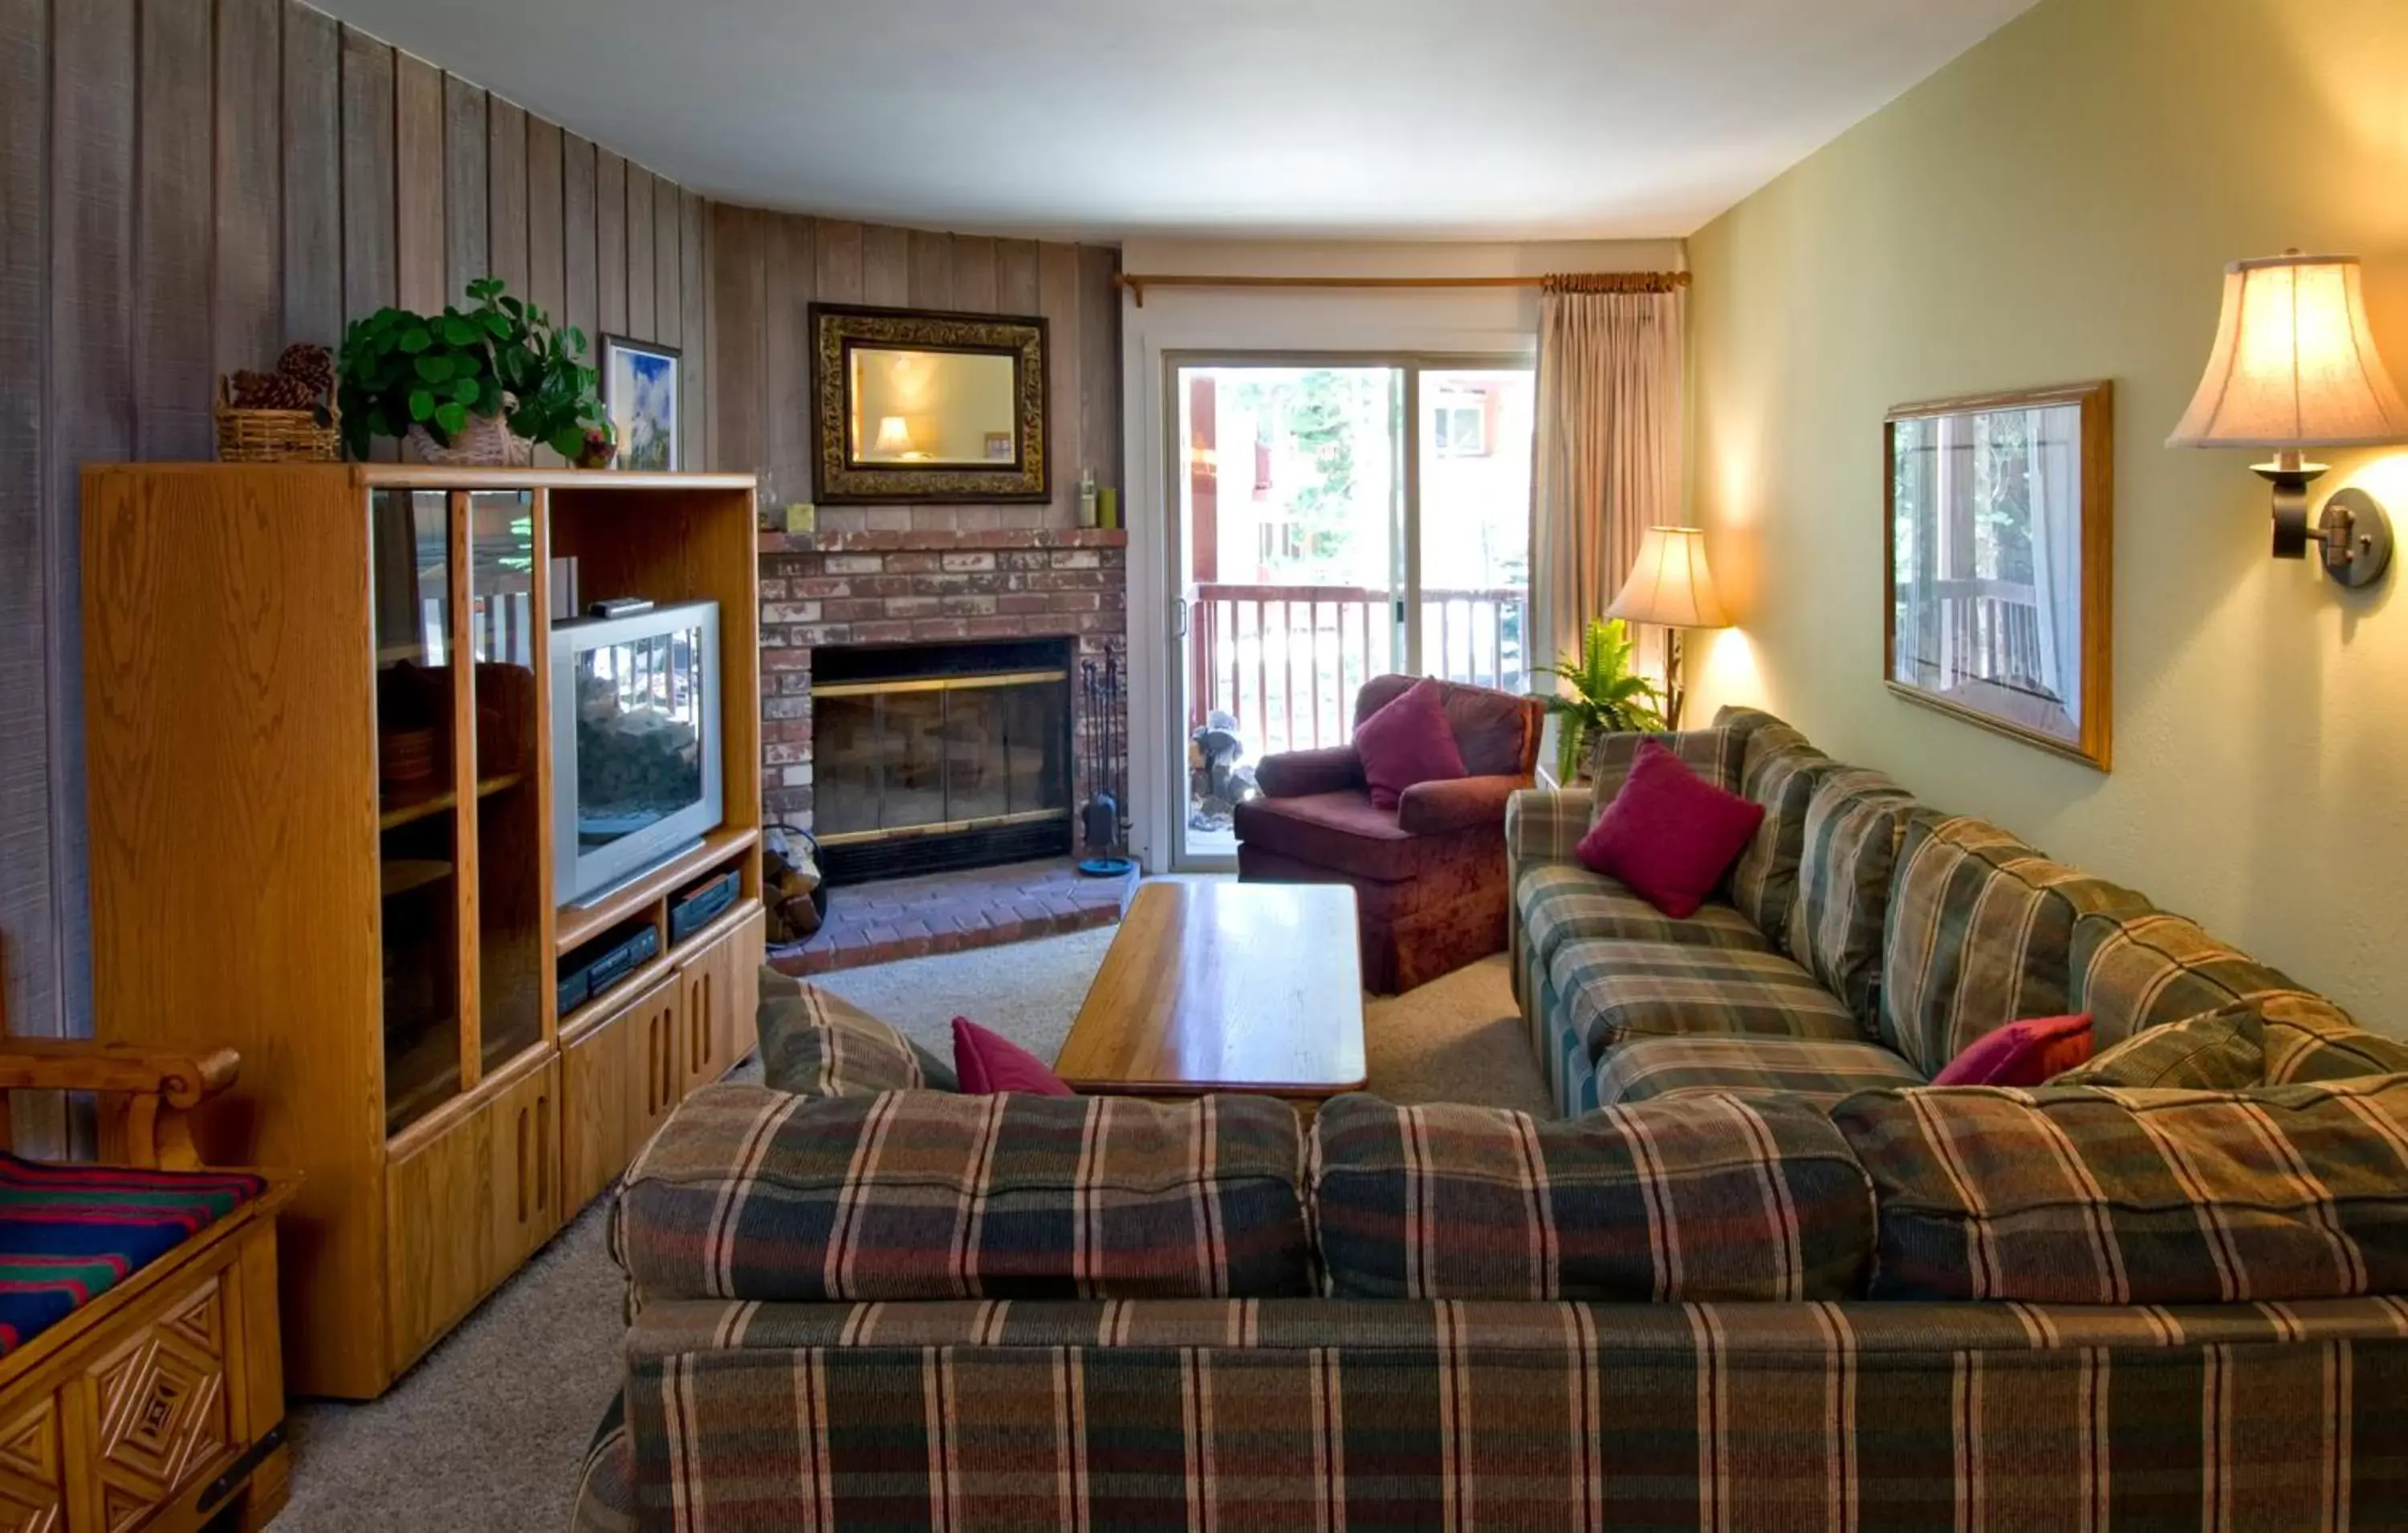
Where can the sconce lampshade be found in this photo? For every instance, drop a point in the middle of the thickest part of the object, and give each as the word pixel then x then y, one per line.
pixel 1670 584
pixel 2295 364
pixel 894 437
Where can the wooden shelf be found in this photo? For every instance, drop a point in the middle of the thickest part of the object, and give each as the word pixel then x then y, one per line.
pixel 579 925
pixel 422 1076
pixel 406 875
pixel 638 980
pixel 500 782
pixel 409 811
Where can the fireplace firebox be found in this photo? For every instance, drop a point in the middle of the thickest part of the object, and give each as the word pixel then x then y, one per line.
pixel 927 757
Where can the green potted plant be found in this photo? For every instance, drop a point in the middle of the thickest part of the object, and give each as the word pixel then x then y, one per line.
pixel 1606 696
pixel 477 386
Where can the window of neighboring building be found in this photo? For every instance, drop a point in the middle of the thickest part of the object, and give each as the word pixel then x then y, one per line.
pixel 1462 426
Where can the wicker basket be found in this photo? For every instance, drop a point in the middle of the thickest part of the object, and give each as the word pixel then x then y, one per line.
pixel 485 442
pixel 275 435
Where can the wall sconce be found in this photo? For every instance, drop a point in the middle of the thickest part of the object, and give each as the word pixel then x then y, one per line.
pixel 1671 586
pixel 2295 367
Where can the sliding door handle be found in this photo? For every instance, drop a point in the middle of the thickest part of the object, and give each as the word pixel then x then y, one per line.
pixel 1179 609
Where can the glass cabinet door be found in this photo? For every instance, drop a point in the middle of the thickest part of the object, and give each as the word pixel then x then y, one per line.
pixel 418 794
pixel 508 636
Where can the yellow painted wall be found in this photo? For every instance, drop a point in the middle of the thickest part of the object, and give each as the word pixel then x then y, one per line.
pixel 2057 204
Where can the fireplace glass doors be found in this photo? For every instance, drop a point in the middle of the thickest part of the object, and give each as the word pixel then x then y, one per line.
pixel 915 773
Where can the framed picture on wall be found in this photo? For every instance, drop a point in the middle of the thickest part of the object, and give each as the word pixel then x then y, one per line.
pixel 1997 553
pixel 641 392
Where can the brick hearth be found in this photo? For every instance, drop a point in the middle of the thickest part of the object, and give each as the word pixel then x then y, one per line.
pixel 898 587
pixel 953 913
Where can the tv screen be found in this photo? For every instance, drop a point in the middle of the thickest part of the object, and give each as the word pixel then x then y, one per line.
pixel 635 741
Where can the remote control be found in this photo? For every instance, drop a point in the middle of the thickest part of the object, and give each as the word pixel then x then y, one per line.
pixel 619 607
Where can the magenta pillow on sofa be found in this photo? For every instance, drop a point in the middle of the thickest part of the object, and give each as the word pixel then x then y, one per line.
pixel 2021 1053
pixel 988 1063
pixel 1670 833
pixel 1404 743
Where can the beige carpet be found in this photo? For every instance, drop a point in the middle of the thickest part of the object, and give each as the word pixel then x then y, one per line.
pixel 487 1432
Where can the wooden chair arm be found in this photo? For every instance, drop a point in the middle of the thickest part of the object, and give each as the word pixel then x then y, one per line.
pixel 146 1093
pixel 181 1080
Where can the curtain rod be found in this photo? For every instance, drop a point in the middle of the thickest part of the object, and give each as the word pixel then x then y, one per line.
pixel 1594 282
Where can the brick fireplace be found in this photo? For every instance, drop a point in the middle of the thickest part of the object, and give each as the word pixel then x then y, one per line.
pixel 857 588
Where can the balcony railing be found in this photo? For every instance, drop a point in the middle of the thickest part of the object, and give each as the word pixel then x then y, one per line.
pixel 1285 661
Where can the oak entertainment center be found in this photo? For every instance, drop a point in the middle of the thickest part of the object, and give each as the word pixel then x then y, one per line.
pixel 320 839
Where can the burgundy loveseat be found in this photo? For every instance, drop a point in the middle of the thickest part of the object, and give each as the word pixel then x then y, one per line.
pixel 1428 875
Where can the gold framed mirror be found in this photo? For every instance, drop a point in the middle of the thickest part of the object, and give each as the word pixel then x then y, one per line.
pixel 918 406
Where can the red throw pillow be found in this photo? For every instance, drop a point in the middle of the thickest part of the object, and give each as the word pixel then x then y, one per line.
pixel 2021 1053
pixel 1404 743
pixel 989 1063
pixel 1670 833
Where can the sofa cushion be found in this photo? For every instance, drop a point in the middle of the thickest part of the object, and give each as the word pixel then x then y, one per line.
pixel 1707 1199
pixel 1817 1071
pixel 1406 742
pixel 1778 770
pixel 1980 935
pixel 1849 846
pixel 1614 991
pixel 2309 1039
pixel 1670 833
pixel 1564 902
pixel 2072 1194
pixel 820 1044
pixel 2223 1050
pixel 1344 833
pixel 70 1233
pixel 752 1194
pixel 2135 970
pixel 1714 755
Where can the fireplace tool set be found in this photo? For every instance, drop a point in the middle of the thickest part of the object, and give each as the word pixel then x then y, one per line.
pixel 1102 825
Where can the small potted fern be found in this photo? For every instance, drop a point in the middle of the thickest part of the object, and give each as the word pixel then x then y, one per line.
pixel 1606 696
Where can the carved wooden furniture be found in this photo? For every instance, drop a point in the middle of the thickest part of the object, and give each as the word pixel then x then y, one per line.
pixel 159 1404
pixel 321 833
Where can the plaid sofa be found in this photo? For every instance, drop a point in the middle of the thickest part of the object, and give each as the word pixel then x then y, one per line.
pixel 860 1303
pixel 1864 940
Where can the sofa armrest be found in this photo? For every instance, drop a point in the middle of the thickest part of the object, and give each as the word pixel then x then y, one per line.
pixel 1293 774
pixel 1433 808
pixel 1543 825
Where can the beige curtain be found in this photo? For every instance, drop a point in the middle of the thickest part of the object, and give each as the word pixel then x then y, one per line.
pixel 1609 448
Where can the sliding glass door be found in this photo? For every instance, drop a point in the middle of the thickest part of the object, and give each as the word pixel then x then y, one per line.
pixel 1334 518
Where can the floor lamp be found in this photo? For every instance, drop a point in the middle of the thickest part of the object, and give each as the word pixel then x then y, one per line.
pixel 1670 587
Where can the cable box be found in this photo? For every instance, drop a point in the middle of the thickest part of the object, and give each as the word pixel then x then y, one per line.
pixel 695 908
pixel 608 964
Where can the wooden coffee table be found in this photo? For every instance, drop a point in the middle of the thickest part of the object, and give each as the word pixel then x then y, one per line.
pixel 1223 986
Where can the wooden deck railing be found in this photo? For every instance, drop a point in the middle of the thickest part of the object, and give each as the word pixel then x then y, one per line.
pixel 1285 661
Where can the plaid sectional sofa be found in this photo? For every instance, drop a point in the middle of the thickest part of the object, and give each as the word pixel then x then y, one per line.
pixel 1720 1300
pixel 1864 940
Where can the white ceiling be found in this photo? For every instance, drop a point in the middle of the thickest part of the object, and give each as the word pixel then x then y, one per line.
pixel 1443 119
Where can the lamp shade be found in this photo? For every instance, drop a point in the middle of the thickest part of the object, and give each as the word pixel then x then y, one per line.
pixel 2295 364
pixel 1670 584
pixel 894 436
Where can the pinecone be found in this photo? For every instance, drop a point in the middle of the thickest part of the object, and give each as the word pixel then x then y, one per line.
pixel 272 391
pixel 313 365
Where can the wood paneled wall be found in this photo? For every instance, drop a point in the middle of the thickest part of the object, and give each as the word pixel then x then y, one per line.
pixel 185 186
pixel 768 269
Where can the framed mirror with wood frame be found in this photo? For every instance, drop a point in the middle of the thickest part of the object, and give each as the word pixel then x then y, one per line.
pixel 1998 563
pixel 919 406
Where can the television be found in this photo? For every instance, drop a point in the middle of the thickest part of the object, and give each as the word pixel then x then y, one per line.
pixel 635 771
